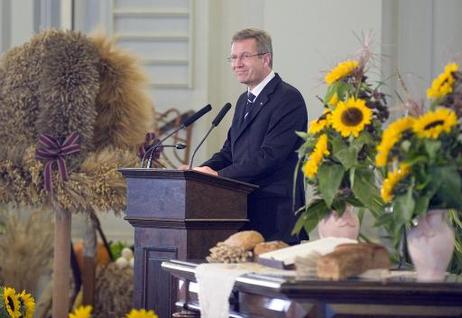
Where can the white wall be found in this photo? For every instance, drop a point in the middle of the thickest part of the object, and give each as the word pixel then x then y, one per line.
pixel 310 37
pixel 22 17
pixel 4 25
pixel 17 22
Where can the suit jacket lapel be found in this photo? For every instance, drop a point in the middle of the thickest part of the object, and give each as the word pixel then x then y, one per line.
pixel 261 100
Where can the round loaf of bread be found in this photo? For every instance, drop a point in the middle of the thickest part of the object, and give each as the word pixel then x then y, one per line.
pixel 245 239
pixel 265 247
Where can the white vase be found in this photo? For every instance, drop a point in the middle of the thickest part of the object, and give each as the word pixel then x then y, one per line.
pixel 430 245
pixel 346 225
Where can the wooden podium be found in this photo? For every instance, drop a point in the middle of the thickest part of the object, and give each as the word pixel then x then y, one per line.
pixel 177 215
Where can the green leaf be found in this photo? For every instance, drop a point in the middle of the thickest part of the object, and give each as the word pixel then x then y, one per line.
pixel 405 145
pixel 302 134
pixel 361 213
pixel 339 206
pixel 311 217
pixel 344 153
pixel 331 90
pixel 397 234
pixel 299 224
pixel 449 192
pixel 403 207
pixel 432 147
pixel 366 191
pixel 354 202
pixel 364 138
pixel 421 204
pixel 385 220
pixel 341 88
pixel 330 177
pixel 413 160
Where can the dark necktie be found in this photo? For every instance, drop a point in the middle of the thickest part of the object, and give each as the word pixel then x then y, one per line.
pixel 248 104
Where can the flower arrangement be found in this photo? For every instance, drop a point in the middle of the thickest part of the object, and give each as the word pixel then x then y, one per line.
pixel 85 312
pixel 422 157
pixel 15 305
pixel 339 149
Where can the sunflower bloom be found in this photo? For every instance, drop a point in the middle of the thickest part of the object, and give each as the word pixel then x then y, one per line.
pixel 433 123
pixel 393 178
pixel 317 125
pixel 142 313
pixel 28 303
pixel 310 168
pixel 443 84
pixel 81 312
pixel 390 137
pixel 341 70
pixel 350 117
pixel 11 302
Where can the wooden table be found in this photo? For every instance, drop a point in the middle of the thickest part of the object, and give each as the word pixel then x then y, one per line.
pixel 261 295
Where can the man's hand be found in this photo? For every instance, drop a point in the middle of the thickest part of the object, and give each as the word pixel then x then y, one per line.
pixel 207 170
pixel 183 167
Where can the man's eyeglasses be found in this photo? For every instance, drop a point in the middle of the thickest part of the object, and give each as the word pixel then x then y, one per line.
pixel 243 57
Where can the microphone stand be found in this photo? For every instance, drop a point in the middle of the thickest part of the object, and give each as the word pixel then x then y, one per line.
pixel 178 146
pixel 151 149
pixel 215 123
pixel 198 146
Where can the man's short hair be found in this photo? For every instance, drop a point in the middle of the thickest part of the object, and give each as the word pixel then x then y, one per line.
pixel 262 40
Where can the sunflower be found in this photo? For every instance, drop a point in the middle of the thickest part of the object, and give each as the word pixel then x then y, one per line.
pixel 390 137
pixel 443 84
pixel 317 126
pixel 433 123
pixel 393 178
pixel 28 303
pixel 350 117
pixel 142 313
pixel 81 312
pixel 341 70
pixel 310 168
pixel 10 299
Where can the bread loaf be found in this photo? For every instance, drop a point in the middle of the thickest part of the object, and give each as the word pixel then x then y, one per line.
pixel 245 239
pixel 265 247
pixel 349 260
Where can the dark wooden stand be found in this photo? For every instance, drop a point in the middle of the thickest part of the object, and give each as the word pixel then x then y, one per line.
pixel 177 215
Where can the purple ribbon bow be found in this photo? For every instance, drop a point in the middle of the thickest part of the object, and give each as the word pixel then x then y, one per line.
pixel 51 150
pixel 150 140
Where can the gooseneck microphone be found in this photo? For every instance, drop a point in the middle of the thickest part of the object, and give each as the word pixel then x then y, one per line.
pixel 188 121
pixel 201 112
pixel 215 123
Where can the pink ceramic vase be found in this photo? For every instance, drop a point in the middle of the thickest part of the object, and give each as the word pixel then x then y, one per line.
pixel 430 246
pixel 334 225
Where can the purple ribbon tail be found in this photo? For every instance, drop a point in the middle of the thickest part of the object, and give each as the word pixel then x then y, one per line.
pixel 50 150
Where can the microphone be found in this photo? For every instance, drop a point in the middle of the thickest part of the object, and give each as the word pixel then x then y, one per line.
pixel 221 114
pixel 215 123
pixel 176 146
pixel 188 121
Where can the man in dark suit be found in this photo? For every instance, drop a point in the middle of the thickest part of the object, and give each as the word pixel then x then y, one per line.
pixel 261 144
